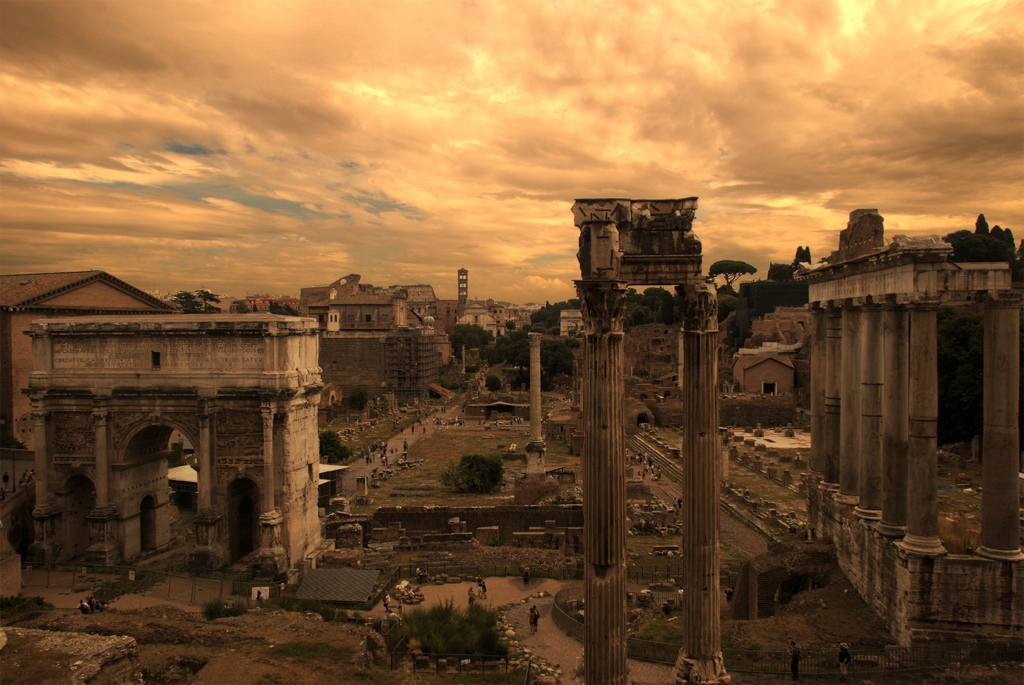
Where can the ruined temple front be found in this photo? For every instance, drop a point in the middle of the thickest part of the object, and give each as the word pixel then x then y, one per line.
pixel 108 392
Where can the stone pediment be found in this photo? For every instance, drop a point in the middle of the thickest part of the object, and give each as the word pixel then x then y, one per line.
pixel 81 290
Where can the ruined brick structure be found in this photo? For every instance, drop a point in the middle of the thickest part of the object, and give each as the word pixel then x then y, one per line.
pixel 374 338
pixel 874 410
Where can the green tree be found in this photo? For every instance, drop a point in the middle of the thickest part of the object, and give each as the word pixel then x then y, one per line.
pixel 979 247
pixel 730 269
pixel 549 315
pixel 726 305
pixel 285 309
pixel 781 272
pixel 981 226
pixel 9 442
pixel 492 382
pixel 187 302
pixel 469 336
pixel 510 324
pixel 961 357
pixel 208 299
pixel 332 449
pixel 481 473
pixel 358 398
pixel 241 307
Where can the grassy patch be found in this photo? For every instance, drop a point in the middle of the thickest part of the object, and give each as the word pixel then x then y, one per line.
pixel 14 606
pixel 314 650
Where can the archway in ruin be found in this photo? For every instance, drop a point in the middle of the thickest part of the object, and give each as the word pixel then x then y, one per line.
pixel 642 418
pixel 243 517
pixel 147 523
pixel 79 501
pixel 152 443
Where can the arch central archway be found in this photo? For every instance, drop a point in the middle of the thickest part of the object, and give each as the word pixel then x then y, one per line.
pixel 147 523
pixel 79 501
pixel 243 517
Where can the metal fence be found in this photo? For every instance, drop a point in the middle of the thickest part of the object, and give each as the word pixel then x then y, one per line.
pixel 866 662
pixel 107 583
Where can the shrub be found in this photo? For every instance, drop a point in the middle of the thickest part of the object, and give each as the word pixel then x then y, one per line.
pixel 215 609
pixel 474 473
pixel 443 629
pixel 493 382
pixel 358 398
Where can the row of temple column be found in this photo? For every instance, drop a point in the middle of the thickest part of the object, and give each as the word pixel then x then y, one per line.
pixel 874 413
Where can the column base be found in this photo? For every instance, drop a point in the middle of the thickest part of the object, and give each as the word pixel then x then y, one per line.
pixel 47 552
pixel 848 500
pixel 921 546
pixel 890 531
pixel 999 554
pixel 535 457
pixel 689 670
pixel 271 557
pixel 209 553
pixel 869 514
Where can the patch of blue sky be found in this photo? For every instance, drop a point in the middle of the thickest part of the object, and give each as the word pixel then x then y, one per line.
pixel 195 149
pixel 381 203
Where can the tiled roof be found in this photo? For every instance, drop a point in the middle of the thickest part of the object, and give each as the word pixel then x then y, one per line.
pixel 24 290
pixel 347 585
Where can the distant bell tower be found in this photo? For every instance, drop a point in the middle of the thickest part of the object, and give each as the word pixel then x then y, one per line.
pixel 463 290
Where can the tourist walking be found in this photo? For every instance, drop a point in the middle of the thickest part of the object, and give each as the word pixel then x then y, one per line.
pixel 536 618
pixel 794 659
pixel 845 658
pixel 471 595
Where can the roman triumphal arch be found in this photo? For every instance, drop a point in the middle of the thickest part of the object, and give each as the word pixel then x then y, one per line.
pixel 108 393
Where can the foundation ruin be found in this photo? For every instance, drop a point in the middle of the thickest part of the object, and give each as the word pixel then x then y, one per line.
pixel 107 393
pixel 874 412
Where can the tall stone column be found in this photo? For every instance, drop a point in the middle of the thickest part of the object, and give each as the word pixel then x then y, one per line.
pixel 817 389
pixel 849 415
pixel 204 459
pixel 922 536
pixel 833 391
pixel 895 422
pixel 42 457
pixel 1000 522
pixel 271 557
pixel 604 482
pixel 268 459
pixel 872 373
pixel 700 658
pixel 535 448
pixel 100 414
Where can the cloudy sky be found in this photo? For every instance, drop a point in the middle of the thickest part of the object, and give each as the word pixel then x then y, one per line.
pixel 263 146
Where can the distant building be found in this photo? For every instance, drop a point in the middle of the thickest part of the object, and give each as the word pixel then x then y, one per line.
pixel 570 322
pixel 261 303
pixel 370 339
pixel 478 313
pixel 767 375
pixel 27 297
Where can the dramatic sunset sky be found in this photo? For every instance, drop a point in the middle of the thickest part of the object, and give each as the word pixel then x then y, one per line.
pixel 265 146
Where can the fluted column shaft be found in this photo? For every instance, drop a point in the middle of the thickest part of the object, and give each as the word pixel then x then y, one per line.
pixel 818 390
pixel 535 411
pixel 849 421
pixel 872 374
pixel 268 460
pixel 1000 521
pixel 205 460
pixel 604 483
pixel 833 391
pixel 895 423
pixel 700 658
pixel 99 415
pixel 41 449
pixel 922 446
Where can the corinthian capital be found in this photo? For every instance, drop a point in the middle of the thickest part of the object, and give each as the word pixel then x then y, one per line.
pixel 603 305
pixel 700 308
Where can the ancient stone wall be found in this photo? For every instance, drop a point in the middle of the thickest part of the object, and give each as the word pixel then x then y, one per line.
pixel 759 409
pixel 923 598
pixel 354 362
pixel 508 519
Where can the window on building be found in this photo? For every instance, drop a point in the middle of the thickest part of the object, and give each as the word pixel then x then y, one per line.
pixel 156 360
pixel 369 318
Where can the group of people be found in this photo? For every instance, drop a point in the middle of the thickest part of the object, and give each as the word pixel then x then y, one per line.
pixel 91 605
pixel 844 659
pixel 8 485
